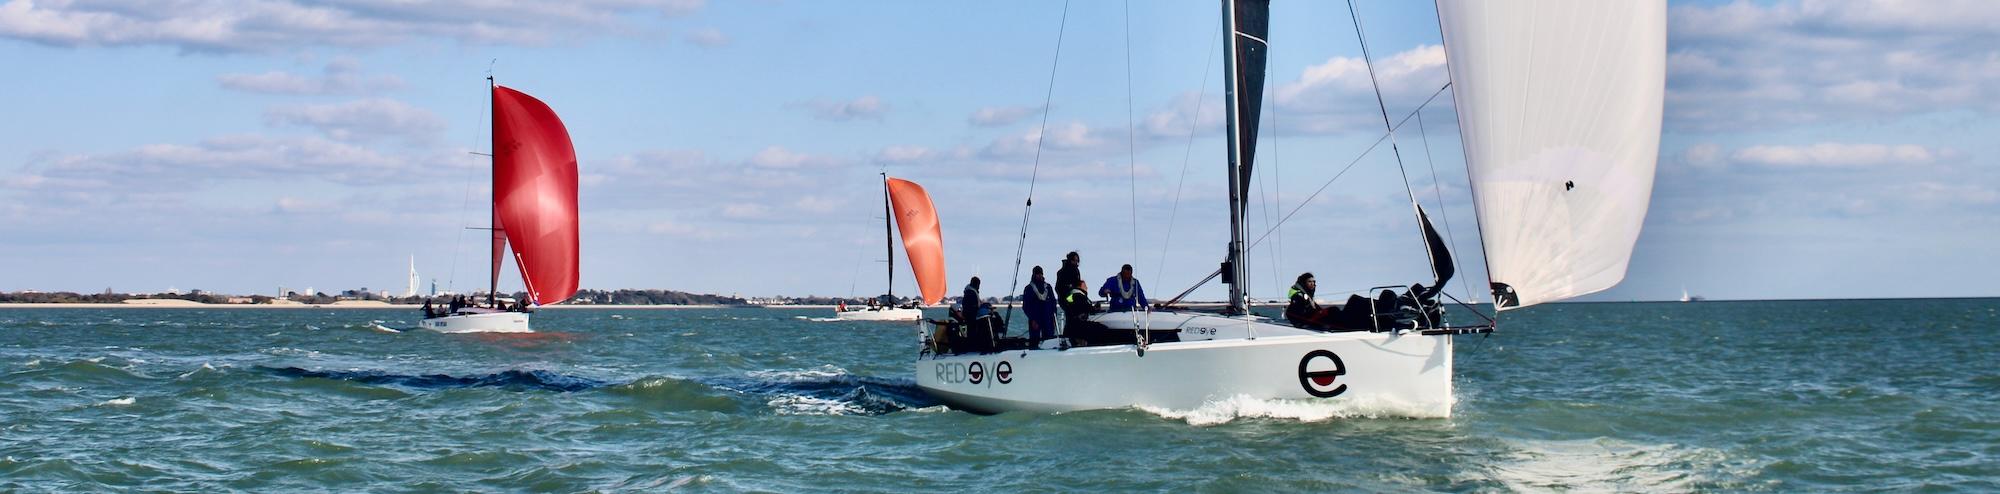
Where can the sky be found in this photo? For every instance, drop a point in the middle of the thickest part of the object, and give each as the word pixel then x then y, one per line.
pixel 1810 150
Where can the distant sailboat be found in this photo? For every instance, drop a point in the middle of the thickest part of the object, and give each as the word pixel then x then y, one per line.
pixel 534 210
pixel 911 209
pixel 1559 104
pixel 1690 298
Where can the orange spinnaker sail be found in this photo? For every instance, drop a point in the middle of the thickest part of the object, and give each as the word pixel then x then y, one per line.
pixel 923 237
pixel 534 193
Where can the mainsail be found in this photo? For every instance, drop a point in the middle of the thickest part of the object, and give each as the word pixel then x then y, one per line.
pixel 1559 105
pixel 534 194
pixel 923 237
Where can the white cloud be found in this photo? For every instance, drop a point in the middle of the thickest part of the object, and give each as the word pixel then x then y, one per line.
pixel 179 169
pixel 1066 136
pixel 1341 82
pixel 708 37
pixel 341 76
pixel 779 157
pixel 1747 66
pixel 362 120
pixel 995 116
pixel 865 107
pixel 1834 154
pixel 1707 154
pixel 1966 194
pixel 263 25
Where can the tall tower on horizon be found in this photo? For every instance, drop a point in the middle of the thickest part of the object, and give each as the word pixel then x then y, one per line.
pixel 414 281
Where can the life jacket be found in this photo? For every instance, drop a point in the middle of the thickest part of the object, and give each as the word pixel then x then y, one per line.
pixel 1293 294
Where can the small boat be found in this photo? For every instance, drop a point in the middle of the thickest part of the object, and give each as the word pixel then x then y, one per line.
pixel 1690 298
pixel 534 211
pixel 923 241
pixel 1559 105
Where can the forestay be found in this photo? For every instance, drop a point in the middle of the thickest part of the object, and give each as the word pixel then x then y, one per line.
pixel 1559 105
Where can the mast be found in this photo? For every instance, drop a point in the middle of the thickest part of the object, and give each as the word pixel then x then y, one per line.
pixel 1244 48
pixel 888 238
pixel 1233 270
pixel 493 207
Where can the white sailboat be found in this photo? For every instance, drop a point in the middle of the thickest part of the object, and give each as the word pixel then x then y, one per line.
pixel 1559 105
pixel 534 210
pixel 922 240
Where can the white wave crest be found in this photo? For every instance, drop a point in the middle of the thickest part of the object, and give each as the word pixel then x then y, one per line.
pixel 204 367
pixel 119 402
pixel 1243 407
pixel 807 405
pixel 821 372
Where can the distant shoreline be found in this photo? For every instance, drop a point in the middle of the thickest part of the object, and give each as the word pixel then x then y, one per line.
pixel 182 304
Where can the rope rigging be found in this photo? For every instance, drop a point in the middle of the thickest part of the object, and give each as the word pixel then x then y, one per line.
pixel 1041 136
pixel 1369 60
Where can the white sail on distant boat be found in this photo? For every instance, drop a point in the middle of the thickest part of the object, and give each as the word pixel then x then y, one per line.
pixel 925 249
pixel 534 210
pixel 1559 105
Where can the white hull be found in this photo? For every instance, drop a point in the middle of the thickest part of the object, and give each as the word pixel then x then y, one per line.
pixel 884 314
pixel 1401 374
pixel 483 321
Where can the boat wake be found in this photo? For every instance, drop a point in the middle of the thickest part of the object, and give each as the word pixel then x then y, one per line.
pixel 1245 407
pixel 818 319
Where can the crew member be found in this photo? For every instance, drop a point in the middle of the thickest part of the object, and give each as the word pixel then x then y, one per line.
pixel 1070 273
pixel 968 303
pixel 1304 311
pixel 1123 290
pixel 1038 300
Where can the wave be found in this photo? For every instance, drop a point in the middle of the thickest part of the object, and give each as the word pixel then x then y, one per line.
pixel 519 380
pixel 830 390
pixel 1245 407
pixel 824 390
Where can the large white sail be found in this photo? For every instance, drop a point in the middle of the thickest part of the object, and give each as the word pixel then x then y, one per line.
pixel 1559 106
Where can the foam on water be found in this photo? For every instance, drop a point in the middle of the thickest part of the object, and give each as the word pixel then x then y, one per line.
pixel 1245 407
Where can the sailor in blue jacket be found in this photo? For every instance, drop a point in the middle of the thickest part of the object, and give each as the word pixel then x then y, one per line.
pixel 1123 291
pixel 1038 300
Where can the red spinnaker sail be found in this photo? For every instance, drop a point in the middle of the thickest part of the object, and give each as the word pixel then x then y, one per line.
pixel 923 237
pixel 534 193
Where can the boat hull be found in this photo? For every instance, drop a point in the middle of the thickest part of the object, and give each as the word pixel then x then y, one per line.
pixel 481 322
pixel 1406 374
pixel 880 315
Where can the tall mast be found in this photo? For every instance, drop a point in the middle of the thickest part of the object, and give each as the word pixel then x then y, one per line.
pixel 1234 273
pixel 888 237
pixel 493 206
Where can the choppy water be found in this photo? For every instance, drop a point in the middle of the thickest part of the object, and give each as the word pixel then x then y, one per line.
pixel 1729 396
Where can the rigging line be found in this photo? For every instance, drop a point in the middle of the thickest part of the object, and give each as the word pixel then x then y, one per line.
pixel 1369 60
pixel 1322 188
pixel 1437 189
pixel 1131 134
pixel 465 202
pixel 1194 125
pixel 1266 183
pixel 1041 136
pixel 1350 164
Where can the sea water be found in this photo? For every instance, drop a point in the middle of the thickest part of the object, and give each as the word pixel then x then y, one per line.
pixel 1713 396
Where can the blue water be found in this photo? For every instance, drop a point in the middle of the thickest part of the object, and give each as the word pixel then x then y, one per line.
pixel 1716 396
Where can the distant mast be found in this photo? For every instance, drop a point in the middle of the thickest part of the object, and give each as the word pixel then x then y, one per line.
pixel 888 239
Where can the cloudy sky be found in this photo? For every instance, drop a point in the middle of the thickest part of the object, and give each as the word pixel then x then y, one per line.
pixel 1812 149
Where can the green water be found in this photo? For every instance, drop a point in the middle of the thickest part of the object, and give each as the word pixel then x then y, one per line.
pixel 1716 396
